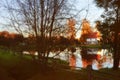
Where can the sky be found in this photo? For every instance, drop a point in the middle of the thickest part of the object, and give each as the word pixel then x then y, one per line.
pixel 88 5
pixel 93 11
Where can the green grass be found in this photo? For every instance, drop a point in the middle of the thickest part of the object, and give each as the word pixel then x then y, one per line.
pixel 17 67
pixel 8 59
pixel 95 46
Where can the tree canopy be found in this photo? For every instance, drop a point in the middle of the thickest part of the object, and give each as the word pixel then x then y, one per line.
pixel 111 24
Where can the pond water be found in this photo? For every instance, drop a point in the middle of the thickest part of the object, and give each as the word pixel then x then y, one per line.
pixel 97 58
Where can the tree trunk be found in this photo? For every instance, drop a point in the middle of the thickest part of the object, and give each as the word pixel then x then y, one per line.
pixel 116 60
pixel 116 55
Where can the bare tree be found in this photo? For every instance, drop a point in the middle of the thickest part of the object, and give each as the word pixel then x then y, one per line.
pixel 42 19
pixel 39 18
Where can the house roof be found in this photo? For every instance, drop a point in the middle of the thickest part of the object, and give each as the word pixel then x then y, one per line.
pixel 92 35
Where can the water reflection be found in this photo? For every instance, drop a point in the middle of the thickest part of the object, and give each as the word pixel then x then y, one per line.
pixel 99 58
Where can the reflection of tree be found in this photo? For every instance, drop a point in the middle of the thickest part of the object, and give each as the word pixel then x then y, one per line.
pixel 87 58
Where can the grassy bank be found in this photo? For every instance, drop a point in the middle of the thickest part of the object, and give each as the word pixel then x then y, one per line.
pixel 15 67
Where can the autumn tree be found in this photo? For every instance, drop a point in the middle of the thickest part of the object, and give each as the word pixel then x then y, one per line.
pixel 86 30
pixel 71 28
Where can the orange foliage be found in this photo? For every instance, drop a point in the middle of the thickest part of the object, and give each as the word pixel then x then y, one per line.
pixel 71 30
pixel 87 32
pixel 85 27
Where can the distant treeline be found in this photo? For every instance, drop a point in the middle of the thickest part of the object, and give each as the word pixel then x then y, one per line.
pixel 17 42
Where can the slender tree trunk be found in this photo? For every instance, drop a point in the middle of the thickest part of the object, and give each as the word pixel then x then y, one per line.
pixel 116 55
pixel 116 61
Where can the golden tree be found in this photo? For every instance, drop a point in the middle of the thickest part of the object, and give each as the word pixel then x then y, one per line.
pixel 86 30
pixel 71 30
